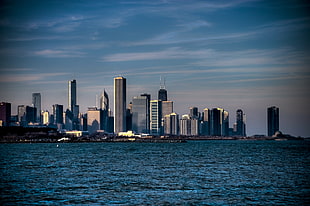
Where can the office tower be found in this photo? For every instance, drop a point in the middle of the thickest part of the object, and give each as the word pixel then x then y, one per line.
pixel 140 114
pixel 31 114
pixel 5 114
pixel 58 116
pixel 93 119
pixel 21 113
pixel 193 113
pixel 36 102
pixel 72 95
pixel 171 124
pixel 119 105
pixel 83 122
pixel 46 117
pixel 155 117
pixel 104 106
pixel 104 101
pixel 162 93
pixel 148 113
pixel 194 127
pixel 273 120
pixel 216 122
pixel 225 123
pixel 185 125
pixel 240 123
pixel 206 122
pixel 167 107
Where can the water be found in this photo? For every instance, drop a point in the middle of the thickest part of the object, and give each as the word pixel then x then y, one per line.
pixel 193 173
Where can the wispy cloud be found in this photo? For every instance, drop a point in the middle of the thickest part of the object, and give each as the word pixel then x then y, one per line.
pixel 9 78
pixel 58 53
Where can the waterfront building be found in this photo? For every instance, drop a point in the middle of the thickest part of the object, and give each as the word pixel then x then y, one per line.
pixel 36 102
pixel 185 125
pixel 155 117
pixel 58 116
pixel 119 105
pixel 193 113
pixel 240 123
pixel 216 122
pixel 105 107
pixel 167 107
pixel 72 122
pixel 140 116
pixel 5 114
pixel 46 117
pixel 272 120
pixel 194 127
pixel 162 93
pixel 26 114
pixel 93 119
pixel 171 126
pixel 225 123
pixel 206 122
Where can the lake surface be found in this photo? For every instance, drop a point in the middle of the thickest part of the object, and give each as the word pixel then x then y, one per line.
pixel 192 173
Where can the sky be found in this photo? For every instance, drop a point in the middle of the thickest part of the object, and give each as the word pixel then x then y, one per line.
pixel 234 54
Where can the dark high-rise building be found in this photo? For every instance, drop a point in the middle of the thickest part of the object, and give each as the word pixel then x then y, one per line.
pixel 140 114
pixel 240 123
pixel 58 114
pixel 5 113
pixel 119 105
pixel 193 113
pixel 225 123
pixel 216 122
pixel 104 106
pixel 206 122
pixel 273 120
pixel 162 94
pixel 36 102
pixel 72 95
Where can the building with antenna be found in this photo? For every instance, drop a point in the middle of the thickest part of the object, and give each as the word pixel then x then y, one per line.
pixel 162 93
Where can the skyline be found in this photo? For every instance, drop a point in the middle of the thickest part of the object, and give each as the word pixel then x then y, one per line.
pixel 247 55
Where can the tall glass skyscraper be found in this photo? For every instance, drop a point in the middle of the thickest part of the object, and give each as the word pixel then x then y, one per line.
pixel 273 120
pixel 72 95
pixel 140 117
pixel 119 105
pixel 5 113
pixel 240 120
pixel 36 102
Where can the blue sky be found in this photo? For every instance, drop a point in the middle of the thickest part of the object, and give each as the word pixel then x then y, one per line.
pixel 232 54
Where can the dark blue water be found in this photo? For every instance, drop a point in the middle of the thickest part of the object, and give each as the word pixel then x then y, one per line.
pixel 193 173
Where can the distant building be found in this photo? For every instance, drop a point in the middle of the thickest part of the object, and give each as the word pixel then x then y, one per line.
pixel 155 117
pixel 93 119
pixel 225 123
pixel 240 123
pixel 185 125
pixel 171 124
pixel 216 121
pixel 272 120
pixel 105 107
pixel 140 115
pixel 58 118
pixel 72 122
pixel 45 117
pixel 193 113
pixel 162 93
pixel 119 105
pixel 5 114
pixel 167 107
pixel 36 102
pixel 205 130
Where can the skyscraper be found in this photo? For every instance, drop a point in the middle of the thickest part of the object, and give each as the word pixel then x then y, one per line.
pixel 273 120
pixel 171 124
pixel 104 106
pixel 93 119
pixel 193 113
pixel 140 116
pixel 240 123
pixel 58 116
pixel 225 123
pixel 155 117
pixel 216 122
pixel 36 102
pixel 206 122
pixel 162 93
pixel 119 105
pixel 5 113
pixel 72 95
pixel 185 125
pixel 167 107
